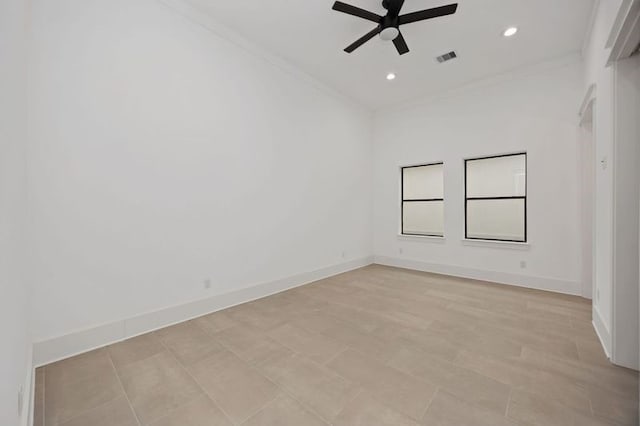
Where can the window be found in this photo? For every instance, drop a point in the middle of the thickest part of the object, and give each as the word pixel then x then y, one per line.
pixel 496 198
pixel 423 200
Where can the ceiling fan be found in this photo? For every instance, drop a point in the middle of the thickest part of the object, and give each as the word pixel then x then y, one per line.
pixel 388 25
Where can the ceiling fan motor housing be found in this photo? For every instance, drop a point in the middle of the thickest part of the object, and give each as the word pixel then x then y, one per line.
pixel 389 28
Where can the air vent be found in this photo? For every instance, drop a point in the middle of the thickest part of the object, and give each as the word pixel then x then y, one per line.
pixel 447 57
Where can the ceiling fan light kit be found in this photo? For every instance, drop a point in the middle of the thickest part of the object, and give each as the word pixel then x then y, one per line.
pixel 388 28
pixel 389 33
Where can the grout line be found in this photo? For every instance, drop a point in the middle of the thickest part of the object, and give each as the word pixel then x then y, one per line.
pixel 303 404
pixel 88 411
pixel 261 409
pixel 335 356
pixel 506 410
pixel 124 393
pixel 252 367
pixel 361 390
pixel 433 397
pixel 282 388
pixel 196 382
pixel 593 414
pixel 208 332
pixel 115 370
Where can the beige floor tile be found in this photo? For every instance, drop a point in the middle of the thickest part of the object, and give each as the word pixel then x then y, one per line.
pixel 533 410
pixel 615 407
pixel 157 385
pixel 464 299
pixel 564 330
pixel 379 346
pixel 407 319
pixel 400 391
pixel 479 390
pixel 79 367
pixel 521 375
pixel 585 420
pixel 284 411
pixel 68 399
pixel 253 315
pixel 418 363
pixel 396 335
pixel 591 351
pixel 491 344
pixel 355 317
pixel 188 342
pixel 135 349
pixel 430 343
pixel 615 379
pixel 114 413
pixel 528 338
pixel 319 388
pixel 453 330
pixel 318 322
pixel 236 387
pixel 330 291
pixel 288 304
pixel 567 312
pixel 486 315
pixel 215 322
pixel 367 411
pixel 312 345
pixel 448 410
pixel 250 344
pixel 199 412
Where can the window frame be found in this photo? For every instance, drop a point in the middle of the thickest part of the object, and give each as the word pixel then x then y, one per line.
pixel 515 197
pixel 402 200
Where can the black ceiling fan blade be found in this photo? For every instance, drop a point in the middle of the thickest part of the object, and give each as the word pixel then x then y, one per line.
pixel 356 11
pixel 362 40
pixel 401 44
pixel 421 15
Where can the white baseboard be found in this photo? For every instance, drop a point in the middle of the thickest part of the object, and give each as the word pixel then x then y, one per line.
pixel 47 351
pixel 602 331
pixel 528 281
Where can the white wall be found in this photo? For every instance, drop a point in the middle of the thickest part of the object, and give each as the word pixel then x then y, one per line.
pixel 614 182
pixel 15 352
pixel 164 155
pixel 626 181
pixel 533 111
pixel 595 57
pixel 586 176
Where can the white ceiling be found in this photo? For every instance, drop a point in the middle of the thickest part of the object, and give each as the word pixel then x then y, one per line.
pixel 310 35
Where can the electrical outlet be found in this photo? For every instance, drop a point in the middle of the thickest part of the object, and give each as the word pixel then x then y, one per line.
pixel 523 264
pixel 400 250
pixel 207 283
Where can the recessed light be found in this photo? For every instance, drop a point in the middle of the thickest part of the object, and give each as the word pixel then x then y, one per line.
pixel 391 76
pixel 510 31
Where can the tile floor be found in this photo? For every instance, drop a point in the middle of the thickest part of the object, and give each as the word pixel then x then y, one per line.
pixel 375 346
